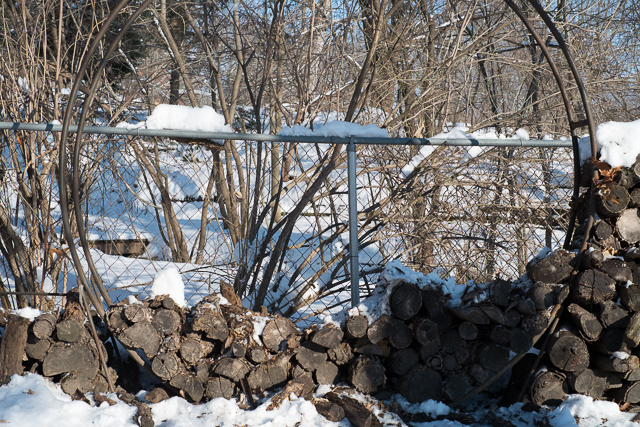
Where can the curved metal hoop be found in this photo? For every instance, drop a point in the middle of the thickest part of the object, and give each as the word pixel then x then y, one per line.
pixel 97 287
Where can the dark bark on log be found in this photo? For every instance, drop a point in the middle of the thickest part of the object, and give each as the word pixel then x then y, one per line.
pixel 166 321
pixel 616 364
pixel 220 387
pixel 468 331
pixel 356 327
pixel 588 324
pixel 618 270
pixel 69 331
pixel 630 296
pixel 593 287
pixel 632 332
pixel 310 356
pixel 341 355
pixel 367 374
pixel 494 314
pixel 331 411
pixel 542 295
pixel 500 291
pixel 614 202
pixel 327 337
pixel 405 301
pixel 553 269
pixel 12 347
pixel 420 384
pixel 611 341
pixel 549 388
pixel 629 392
pixel 44 325
pixel 471 314
pixel 602 230
pixel 434 305
pixel 166 365
pixel 355 411
pixel 276 332
pixel 232 368
pixel 190 386
pixel 613 316
pixel 568 352
pixel 400 362
pixel 628 226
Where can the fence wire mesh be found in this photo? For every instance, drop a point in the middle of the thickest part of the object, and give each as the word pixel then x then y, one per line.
pixel 207 215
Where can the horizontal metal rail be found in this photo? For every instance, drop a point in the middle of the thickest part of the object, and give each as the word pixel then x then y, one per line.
pixel 359 140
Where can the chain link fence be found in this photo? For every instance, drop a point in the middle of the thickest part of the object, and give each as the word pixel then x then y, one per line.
pixel 232 212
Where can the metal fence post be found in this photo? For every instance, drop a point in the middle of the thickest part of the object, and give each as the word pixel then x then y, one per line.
pixel 353 224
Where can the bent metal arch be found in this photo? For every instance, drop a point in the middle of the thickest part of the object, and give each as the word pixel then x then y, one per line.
pixel 94 289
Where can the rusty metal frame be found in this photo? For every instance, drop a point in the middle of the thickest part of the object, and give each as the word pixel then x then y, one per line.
pixel 95 287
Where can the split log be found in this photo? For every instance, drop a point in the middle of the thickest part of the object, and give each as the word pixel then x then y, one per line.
pixel 611 341
pixel 326 373
pixel 383 328
pixel 193 349
pixel 634 198
pixel 367 374
pixel 37 348
pixel 549 388
pixel 141 335
pixel 166 366
pixel 553 269
pixel 327 337
pixel 628 226
pixel 500 291
pixel 542 295
pixel 630 296
pixel 266 376
pixel 526 306
pixel 238 350
pixel 594 258
pixel 189 385
pixel 614 202
pixel 593 287
pixel 300 387
pixel 613 316
pixel 220 387
pixel 456 386
pixel 471 314
pixel 256 355
pixel 589 383
pixel 588 324
pixel 276 332
pixel 520 341
pixel 12 347
pixel 356 326
pixel 156 395
pixel 355 411
pixel 365 347
pixel 420 384
pixel 209 321
pixel 512 318
pixel 632 332
pixel 405 300
pixel 568 352
pixel 494 314
pixel 63 358
pixel 310 356
pixel 230 367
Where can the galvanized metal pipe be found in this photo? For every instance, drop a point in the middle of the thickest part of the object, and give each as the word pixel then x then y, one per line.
pixel 357 140
pixel 353 225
